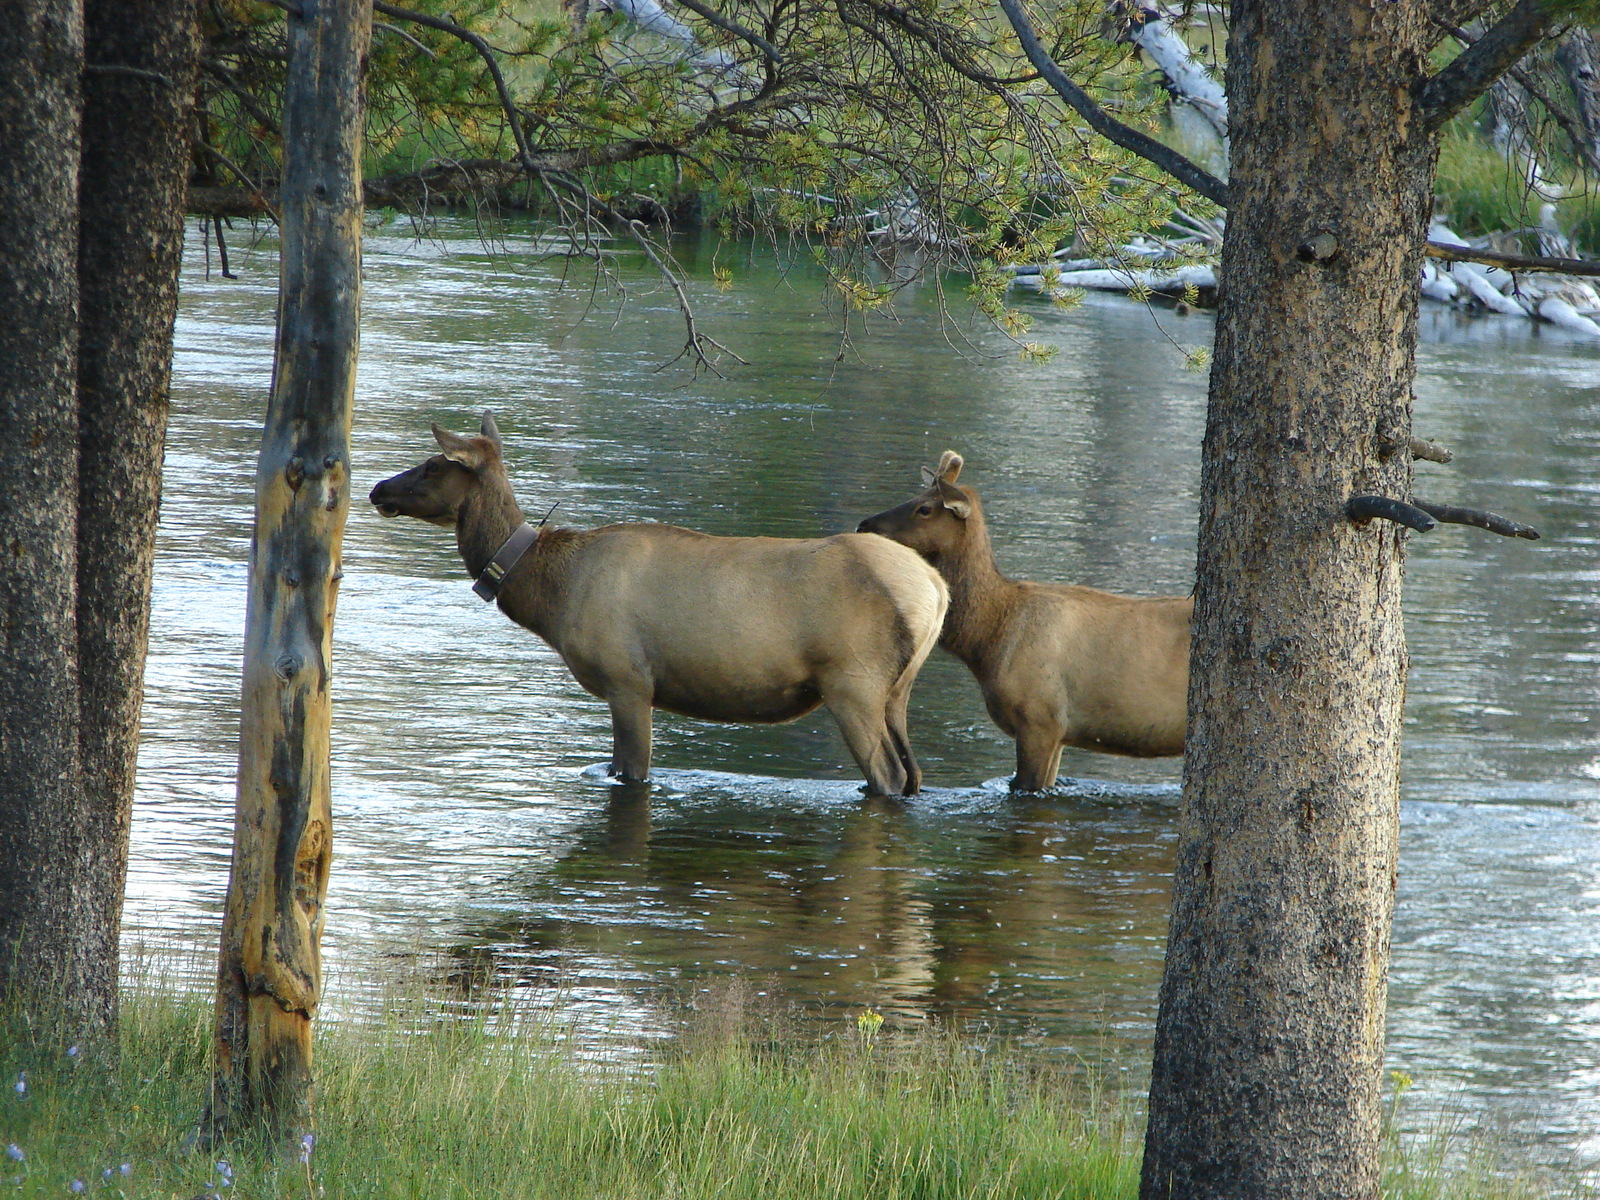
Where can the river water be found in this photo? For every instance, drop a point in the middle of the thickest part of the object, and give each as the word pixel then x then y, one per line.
pixel 474 828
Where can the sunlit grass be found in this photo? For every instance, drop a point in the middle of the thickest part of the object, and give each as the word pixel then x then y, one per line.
pixel 438 1100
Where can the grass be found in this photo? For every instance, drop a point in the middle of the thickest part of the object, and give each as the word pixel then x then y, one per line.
pixel 430 1102
pixel 1481 193
pixel 433 1101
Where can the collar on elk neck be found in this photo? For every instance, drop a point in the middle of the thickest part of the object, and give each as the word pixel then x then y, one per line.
pixel 487 585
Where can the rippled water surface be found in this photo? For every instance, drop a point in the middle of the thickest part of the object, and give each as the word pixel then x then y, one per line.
pixel 474 827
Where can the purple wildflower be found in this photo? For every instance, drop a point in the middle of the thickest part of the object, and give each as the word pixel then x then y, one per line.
pixel 306 1143
pixel 14 1152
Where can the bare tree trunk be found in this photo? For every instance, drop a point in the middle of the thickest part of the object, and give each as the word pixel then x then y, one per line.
pixel 42 902
pixel 1266 1079
pixel 270 970
pixel 1579 59
pixel 138 88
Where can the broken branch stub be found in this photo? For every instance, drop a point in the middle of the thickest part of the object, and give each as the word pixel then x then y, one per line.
pixel 1362 509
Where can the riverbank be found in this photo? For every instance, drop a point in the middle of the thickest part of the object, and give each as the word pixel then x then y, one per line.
pixel 438 1099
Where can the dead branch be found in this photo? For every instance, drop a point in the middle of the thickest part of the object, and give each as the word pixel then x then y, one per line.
pixel 697 344
pixel 1569 124
pixel 1493 522
pixel 228 202
pixel 1362 509
pixel 1513 262
pixel 1431 451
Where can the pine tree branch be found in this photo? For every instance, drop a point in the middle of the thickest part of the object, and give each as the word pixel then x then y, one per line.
pixel 485 52
pixel 1474 71
pixel 772 53
pixel 1569 124
pixel 1169 160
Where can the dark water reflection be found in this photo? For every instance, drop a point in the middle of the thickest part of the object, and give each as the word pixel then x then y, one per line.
pixel 472 825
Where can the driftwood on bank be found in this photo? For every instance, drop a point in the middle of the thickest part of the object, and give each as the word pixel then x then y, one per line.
pixel 1492 279
pixel 269 978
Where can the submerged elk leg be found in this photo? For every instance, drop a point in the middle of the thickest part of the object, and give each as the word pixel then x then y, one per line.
pixel 1038 758
pixel 861 715
pixel 900 738
pixel 630 737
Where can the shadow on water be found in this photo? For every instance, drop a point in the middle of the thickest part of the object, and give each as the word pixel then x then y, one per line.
pixel 1040 917
pixel 471 825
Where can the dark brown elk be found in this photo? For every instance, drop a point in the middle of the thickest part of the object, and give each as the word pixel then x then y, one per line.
pixel 748 629
pixel 1059 665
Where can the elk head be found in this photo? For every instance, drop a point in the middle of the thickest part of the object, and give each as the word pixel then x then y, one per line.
pixel 934 522
pixel 436 489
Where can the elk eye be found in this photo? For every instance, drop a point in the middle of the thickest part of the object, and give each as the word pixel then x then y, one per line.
pixel 925 511
pixel 431 468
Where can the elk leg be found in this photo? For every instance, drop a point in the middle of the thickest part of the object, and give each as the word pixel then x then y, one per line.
pixel 630 737
pixel 861 720
pixel 1038 758
pixel 901 740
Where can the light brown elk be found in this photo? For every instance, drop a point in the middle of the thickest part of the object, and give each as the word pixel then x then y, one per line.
pixel 747 629
pixel 1059 665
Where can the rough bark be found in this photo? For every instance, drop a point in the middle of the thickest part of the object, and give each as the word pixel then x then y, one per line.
pixel 41 902
pixel 1270 1034
pixel 270 972
pixel 138 87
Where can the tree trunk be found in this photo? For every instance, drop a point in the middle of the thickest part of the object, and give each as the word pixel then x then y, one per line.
pixel 1579 59
pixel 1270 1034
pixel 138 89
pixel 42 905
pixel 270 971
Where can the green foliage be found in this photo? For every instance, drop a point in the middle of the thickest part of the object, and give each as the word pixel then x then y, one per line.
pixel 858 126
pixel 1481 193
pixel 426 93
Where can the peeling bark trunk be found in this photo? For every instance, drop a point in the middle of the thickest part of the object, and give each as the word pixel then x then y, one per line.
pixel 132 190
pixel 1150 28
pixel 1579 59
pixel 1266 1079
pixel 42 905
pixel 270 970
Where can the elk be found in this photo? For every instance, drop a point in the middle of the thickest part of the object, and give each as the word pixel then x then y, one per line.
pixel 743 629
pixel 1059 665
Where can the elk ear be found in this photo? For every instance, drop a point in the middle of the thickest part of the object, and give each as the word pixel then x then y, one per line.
pixel 954 500
pixel 949 469
pixel 928 477
pixel 464 450
pixel 488 428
